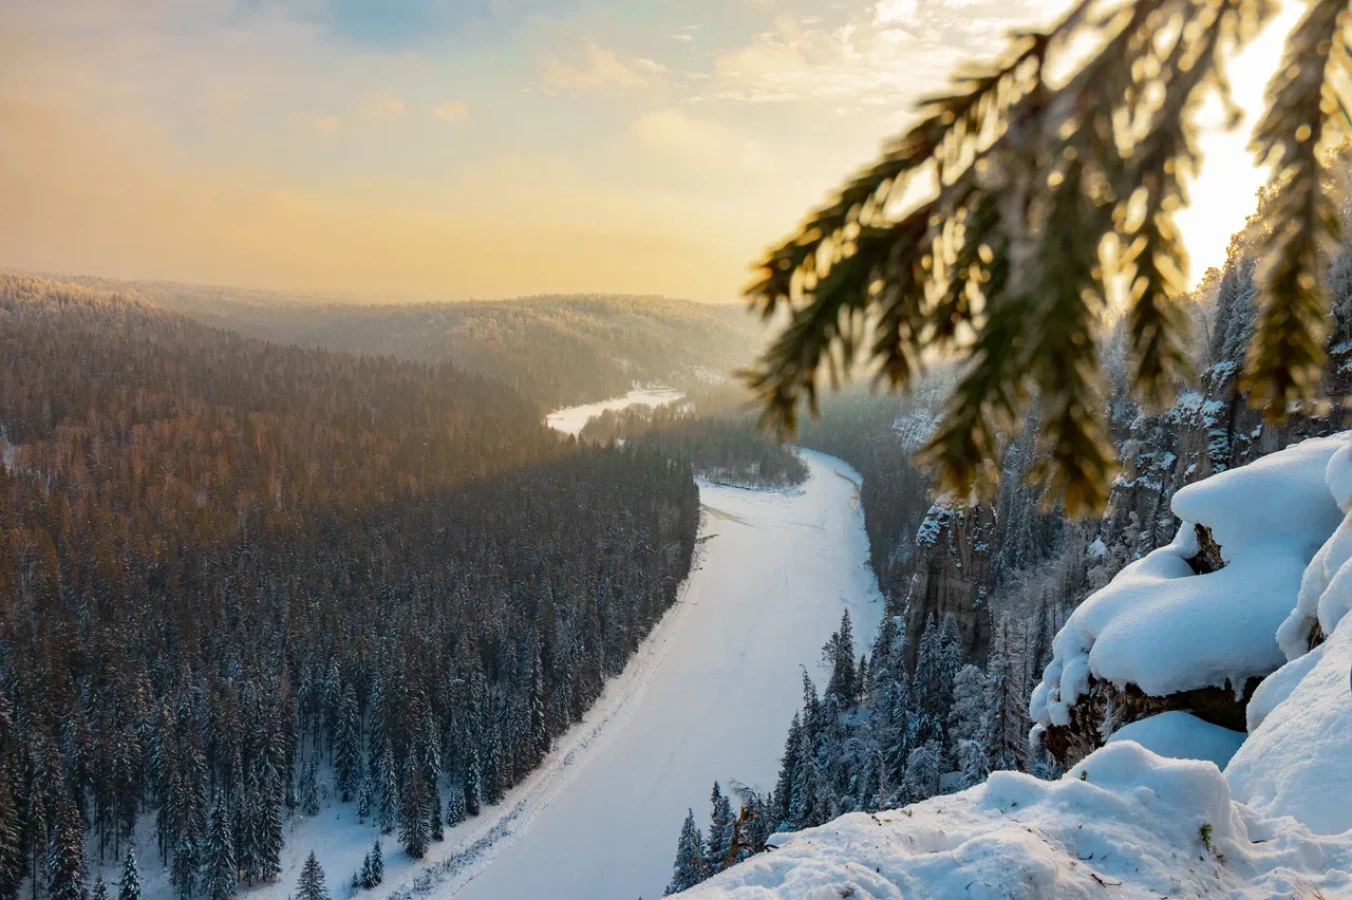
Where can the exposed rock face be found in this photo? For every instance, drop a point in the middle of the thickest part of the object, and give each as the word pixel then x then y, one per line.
pixel 953 575
pixel 1106 708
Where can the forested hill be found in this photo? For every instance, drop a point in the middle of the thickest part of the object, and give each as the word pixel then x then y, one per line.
pixel 226 565
pixel 555 350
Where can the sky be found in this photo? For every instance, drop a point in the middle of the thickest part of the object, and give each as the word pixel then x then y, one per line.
pixel 450 149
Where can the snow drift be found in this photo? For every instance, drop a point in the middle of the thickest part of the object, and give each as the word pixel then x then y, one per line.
pixel 1124 823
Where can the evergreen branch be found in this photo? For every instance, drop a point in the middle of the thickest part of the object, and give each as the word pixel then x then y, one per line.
pixel 1286 358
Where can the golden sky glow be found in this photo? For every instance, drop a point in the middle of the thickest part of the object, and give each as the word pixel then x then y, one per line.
pixel 452 149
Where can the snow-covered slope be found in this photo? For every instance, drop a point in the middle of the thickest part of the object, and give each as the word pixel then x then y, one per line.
pixel 1126 821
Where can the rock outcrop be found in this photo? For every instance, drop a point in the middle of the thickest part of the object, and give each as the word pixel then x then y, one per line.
pixel 954 549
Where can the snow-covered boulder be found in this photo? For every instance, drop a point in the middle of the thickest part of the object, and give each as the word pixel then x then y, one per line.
pixel 1124 823
pixel 1174 627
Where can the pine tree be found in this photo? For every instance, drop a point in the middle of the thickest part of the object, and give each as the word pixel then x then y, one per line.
pixel 377 864
pixel 387 785
pixel 788 773
pixel 129 887
pixel 473 778
pixel 493 774
pixel 222 871
pixel 65 856
pixel 689 869
pixel 839 653
pixel 455 806
pixel 100 891
pixel 414 816
pixel 11 842
pixel 720 831
pixel 364 792
pixel 309 789
pixel 539 727
pixel 435 825
pixel 311 886
pixel 183 870
pixel 347 744
pixel 922 772
pixel 267 809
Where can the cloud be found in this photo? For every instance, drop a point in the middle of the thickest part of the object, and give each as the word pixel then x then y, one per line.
pixel 381 106
pixel 453 111
pixel 709 145
pixel 318 123
pixel 600 69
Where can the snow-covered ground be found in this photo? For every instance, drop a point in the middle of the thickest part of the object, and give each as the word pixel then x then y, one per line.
pixel 1123 824
pixel 571 420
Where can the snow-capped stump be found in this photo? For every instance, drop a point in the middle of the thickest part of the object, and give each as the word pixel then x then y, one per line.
pixel 1124 823
pixel 1174 632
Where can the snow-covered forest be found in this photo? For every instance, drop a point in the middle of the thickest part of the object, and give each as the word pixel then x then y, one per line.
pixel 239 579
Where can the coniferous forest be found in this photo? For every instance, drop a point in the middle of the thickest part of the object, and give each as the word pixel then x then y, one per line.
pixel 231 568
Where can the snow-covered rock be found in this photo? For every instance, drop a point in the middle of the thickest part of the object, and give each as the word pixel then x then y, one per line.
pixel 1124 823
pixel 1162 628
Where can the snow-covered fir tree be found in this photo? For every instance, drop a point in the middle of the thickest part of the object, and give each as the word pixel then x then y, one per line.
pixel 690 868
pixel 311 884
pixel 221 868
pixel 129 886
pixel 415 816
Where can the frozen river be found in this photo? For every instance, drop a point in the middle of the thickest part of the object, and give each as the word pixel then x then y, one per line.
pixel 709 697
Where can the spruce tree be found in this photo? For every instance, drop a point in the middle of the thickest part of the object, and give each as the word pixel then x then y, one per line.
pixel 311 885
pixel 309 789
pixel 11 846
pixel 222 871
pixel 455 806
pixel 387 789
pixel 414 815
pixel 473 779
pixel 689 868
pixel 788 773
pixel 720 831
pixel 65 856
pixel 347 745
pixel 493 774
pixel 268 857
pixel 129 887
pixel 539 727
pixel 377 863
pixel 100 891
pixel 364 792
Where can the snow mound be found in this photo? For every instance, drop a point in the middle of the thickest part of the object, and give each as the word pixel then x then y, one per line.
pixel 1295 763
pixel 1180 735
pixel 1326 590
pixel 1269 517
pixel 1124 823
